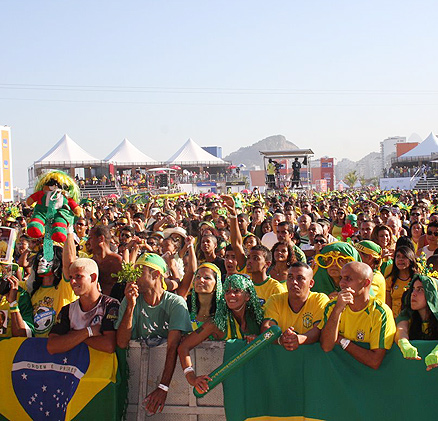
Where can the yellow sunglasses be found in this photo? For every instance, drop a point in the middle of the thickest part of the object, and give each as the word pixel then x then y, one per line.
pixel 329 259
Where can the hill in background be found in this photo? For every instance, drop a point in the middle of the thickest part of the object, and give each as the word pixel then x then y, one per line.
pixel 369 166
pixel 250 155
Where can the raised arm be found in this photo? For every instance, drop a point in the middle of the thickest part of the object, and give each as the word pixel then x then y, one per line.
pixel 125 328
pixel 186 282
pixel 68 252
pixel 236 236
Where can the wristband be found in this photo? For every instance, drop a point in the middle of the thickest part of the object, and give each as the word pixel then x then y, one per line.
pixel 232 216
pixel 188 370
pixel 191 245
pixel 278 340
pixel 14 309
pixel 344 342
pixel 163 387
pixel 70 229
pixel 90 332
pixel 13 304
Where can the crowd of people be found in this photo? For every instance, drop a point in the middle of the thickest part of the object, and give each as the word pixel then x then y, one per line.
pixel 147 180
pixel 342 270
pixel 405 171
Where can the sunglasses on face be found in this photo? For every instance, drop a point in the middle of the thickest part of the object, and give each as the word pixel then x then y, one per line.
pixel 80 224
pixel 415 214
pixel 435 233
pixel 320 241
pixel 327 260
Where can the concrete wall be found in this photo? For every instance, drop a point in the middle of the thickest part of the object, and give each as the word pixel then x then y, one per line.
pixel 146 367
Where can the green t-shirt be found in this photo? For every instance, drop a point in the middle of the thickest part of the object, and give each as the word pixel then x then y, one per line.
pixel 156 321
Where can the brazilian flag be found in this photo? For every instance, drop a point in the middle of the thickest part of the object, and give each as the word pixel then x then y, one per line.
pixel 79 384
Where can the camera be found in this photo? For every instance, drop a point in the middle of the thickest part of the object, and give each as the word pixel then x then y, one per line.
pixel 6 271
pixel 5 286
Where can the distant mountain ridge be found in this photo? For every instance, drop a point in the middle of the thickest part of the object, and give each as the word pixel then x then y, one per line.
pixel 250 155
pixel 369 166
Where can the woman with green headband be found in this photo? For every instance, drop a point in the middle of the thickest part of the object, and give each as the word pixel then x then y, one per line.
pixel 238 316
pixel 205 295
pixel 419 319
pixel 328 265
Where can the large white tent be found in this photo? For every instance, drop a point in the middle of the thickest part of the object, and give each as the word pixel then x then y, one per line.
pixel 66 150
pixel 191 153
pixel 127 154
pixel 424 149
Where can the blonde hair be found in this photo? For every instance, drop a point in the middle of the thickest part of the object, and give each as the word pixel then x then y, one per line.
pixel 89 265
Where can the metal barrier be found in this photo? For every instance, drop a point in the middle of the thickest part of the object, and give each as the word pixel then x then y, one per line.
pixel 146 367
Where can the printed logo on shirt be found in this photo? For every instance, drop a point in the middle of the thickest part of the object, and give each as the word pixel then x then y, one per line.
pixel 44 319
pixel 360 335
pixel 307 320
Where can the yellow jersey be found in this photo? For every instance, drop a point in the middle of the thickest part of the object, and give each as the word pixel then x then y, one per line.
pixel 268 287
pixel 374 324
pixel 396 293
pixel 277 309
pixel 47 302
pixel 378 285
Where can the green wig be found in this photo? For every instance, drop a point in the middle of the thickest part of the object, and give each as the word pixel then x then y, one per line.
pixel 253 306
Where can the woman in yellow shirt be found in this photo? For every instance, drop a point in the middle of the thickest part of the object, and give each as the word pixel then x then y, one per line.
pixel 403 269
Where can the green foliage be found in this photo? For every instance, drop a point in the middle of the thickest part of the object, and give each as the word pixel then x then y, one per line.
pixel 129 273
pixel 351 178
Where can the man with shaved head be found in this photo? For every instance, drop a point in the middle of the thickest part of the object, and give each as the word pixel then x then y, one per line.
pixel 354 316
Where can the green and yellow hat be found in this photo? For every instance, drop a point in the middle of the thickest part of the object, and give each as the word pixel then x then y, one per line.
pixel 369 247
pixel 153 261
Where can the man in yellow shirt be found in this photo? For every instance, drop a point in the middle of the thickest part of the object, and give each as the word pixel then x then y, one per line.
pixel 258 262
pixel 297 311
pixel 355 316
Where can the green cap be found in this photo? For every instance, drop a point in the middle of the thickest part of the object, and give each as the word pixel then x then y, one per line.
pixel 153 261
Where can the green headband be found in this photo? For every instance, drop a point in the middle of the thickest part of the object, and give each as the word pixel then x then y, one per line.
pixel 369 247
pixel 219 294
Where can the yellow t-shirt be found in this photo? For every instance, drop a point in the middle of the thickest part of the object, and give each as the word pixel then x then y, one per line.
pixel 396 293
pixel 378 285
pixel 337 231
pixel 374 324
pixel 269 287
pixel 242 271
pixel 47 302
pixel 277 309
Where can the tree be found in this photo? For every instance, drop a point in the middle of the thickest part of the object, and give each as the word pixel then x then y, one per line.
pixel 351 178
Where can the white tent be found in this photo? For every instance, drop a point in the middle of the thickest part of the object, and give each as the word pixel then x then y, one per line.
pixel 127 154
pixel 66 150
pixel 425 148
pixel 192 153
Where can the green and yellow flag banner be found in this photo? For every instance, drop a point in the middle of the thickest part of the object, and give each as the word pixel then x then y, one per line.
pixel 82 382
pixel 309 384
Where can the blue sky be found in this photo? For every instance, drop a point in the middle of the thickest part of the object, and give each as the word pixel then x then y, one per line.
pixel 337 77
